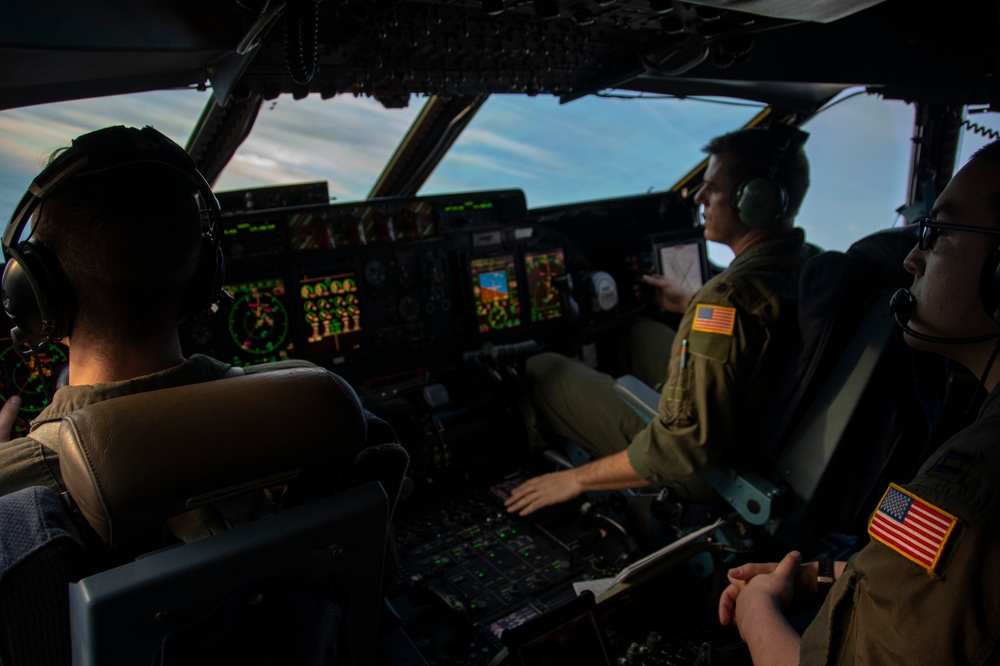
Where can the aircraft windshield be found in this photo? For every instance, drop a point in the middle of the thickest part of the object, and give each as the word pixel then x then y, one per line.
pixel 592 148
pixel 29 135
pixel 345 141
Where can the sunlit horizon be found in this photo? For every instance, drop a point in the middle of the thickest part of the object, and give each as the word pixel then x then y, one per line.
pixel 594 148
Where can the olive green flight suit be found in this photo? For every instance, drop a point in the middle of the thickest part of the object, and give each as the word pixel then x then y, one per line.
pixel 717 400
pixel 887 609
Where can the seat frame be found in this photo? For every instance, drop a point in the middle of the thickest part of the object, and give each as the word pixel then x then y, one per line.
pixel 335 543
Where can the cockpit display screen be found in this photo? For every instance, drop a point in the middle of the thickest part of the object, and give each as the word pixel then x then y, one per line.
pixel 332 313
pixel 494 286
pixel 543 268
pixel 33 378
pixel 682 262
pixel 259 325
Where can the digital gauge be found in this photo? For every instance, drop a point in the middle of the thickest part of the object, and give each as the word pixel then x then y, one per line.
pixel 259 323
pixel 543 269
pixel 495 289
pixel 332 312
pixel 32 378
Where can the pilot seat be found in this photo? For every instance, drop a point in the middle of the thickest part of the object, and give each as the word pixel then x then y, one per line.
pixel 244 520
pixel 860 408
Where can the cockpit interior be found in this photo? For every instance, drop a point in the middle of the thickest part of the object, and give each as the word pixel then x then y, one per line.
pixel 429 304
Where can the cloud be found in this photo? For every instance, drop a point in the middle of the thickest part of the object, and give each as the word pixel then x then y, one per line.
pixel 344 140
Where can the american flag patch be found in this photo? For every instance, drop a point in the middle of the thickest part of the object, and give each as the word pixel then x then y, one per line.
pixel 714 319
pixel 913 528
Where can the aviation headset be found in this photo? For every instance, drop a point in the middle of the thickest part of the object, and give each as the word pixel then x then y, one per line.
pixel 902 302
pixel 36 295
pixel 761 200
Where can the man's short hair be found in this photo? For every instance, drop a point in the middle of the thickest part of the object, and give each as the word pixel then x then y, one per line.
pixel 127 240
pixel 754 151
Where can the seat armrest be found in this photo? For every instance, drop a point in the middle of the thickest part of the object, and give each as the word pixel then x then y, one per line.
pixel 639 396
pixel 750 494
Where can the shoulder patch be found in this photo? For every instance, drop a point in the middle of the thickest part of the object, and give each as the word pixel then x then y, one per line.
pixel 714 319
pixel 912 527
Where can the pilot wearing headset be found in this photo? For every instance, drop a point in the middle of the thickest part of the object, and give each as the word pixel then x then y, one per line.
pixel 926 589
pixel 717 375
pixel 123 246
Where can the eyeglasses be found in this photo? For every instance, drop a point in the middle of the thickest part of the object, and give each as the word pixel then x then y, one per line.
pixel 928 232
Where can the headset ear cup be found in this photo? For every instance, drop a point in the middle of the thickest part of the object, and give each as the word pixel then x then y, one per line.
pixel 760 202
pixel 989 285
pixel 36 297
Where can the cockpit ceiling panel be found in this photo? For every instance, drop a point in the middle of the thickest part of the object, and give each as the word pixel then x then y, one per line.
pixel 389 49
pixel 820 11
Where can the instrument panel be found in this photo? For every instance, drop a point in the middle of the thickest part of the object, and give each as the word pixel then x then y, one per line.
pixel 428 306
pixel 399 292
pixel 338 284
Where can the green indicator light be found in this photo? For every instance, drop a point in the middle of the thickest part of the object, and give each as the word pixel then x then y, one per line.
pixel 557 565
pixel 481 574
pixel 493 554
pixel 473 606
pixel 477 544
pixel 513 531
pixel 503 535
pixel 437 561
pixel 527 554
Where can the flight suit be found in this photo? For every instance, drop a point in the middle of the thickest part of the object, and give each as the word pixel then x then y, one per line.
pixel 738 330
pixel 26 461
pixel 889 608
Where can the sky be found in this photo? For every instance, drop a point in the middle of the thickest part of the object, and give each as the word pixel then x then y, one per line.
pixel 593 148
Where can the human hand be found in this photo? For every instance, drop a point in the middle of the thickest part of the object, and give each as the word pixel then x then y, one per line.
pixel 805 579
pixel 542 491
pixel 774 584
pixel 8 414
pixel 668 295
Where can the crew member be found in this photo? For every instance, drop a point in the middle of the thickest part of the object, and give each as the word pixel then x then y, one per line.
pixel 719 373
pixel 926 588
pixel 124 246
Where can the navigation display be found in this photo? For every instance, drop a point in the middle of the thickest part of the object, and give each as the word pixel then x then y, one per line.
pixel 259 325
pixel 495 289
pixel 542 268
pixel 33 378
pixel 332 313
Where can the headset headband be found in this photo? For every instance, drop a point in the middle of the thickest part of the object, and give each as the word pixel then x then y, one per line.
pixel 782 138
pixel 106 149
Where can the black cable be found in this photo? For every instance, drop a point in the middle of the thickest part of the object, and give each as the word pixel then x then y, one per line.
pixel 982 382
pixel 302 39
pixel 976 128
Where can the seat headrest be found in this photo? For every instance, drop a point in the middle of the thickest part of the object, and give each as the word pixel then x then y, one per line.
pixel 130 463
pixel 886 250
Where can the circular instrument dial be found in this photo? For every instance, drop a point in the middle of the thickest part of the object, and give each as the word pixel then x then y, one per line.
pixel 32 378
pixel 258 323
pixel 376 272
